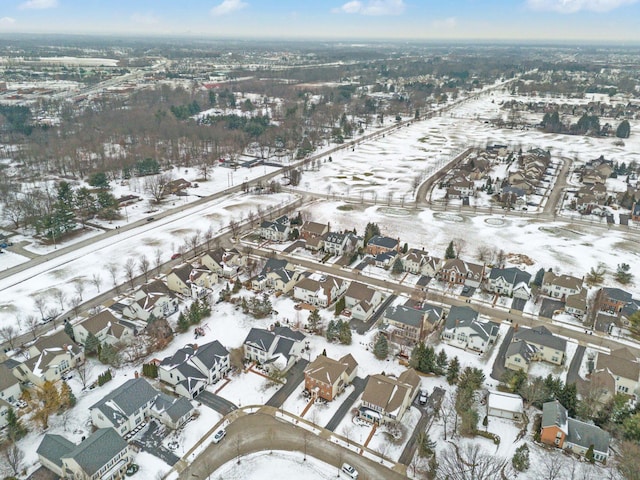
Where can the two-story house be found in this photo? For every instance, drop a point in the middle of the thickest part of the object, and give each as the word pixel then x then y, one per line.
pixel 153 299
pixel 459 272
pixel 618 372
pixel 362 300
pixel 319 290
pixel 413 260
pixel 576 304
pixel 379 244
pixel 277 274
pixel 463 329
pixel 386 398
pixel 405 324
pixel 613 300
pixel 560 286
pixel 279 348
pixel 103 455
pixel 224 263
pixel 276 230
pixel 49 359
pixel 9 390
pixel 193 367
pixel 326 377
pixel 534 344
pixel 339 243
pixel 561 431
pixel 105 327
pixel 510 282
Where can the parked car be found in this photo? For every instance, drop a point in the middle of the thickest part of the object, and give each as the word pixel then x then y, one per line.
pixel 422 399
pixel 175 255
pixel 350 471
pixel 150 219
pixel 219 435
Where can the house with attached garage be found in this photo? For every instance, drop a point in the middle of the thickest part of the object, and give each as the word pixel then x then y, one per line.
pixel 510 282
pixel 106 328
pixel 505 405
pixel 153 299
pixel 570 434
pixel 224 263
pixel 379 244
pixel 326 377
pixel 560 286
pixel 459 272
pixel 276 230
pixel 279 348
pixel 534 345
pixel 49 359
pixel 104 455
pixel 133 403
pixel 613 300
pixel 193 367
pixel 339 243
pixel 618 372
pixel 406 324
pixel 319 290
pixel 310 230
pixel 277 274
pixel 10 391
pixel 576 304
pixel 463 329
pixel 362 300
pixel 190 281
pixel 385 398
pixel 413 260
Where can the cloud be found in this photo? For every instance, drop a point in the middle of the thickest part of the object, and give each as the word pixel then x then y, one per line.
pixel 228 6
pixel 573 6
pixel 38 4
pixel 372 7
pixel 6 21
pixel 445 23
pixel 145 19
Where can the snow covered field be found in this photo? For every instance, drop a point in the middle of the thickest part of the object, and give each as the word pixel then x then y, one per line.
pixel 279 464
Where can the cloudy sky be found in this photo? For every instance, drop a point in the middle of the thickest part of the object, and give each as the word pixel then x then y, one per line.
pixel 608 20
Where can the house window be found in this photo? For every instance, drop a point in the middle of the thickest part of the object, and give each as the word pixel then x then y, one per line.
pixel 517 359
pixel 554 359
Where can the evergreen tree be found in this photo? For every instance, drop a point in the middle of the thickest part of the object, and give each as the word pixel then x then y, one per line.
pixel 68 329
pixel 381 347
pixel 109 355
pixel 67 398
pixel 589 455
pixel 15 429
pixel 453 370
pixel 340 306
pixel 568 397
pixel 441 362
pixel 520 460
pixel 91 344
pixel 623 130
pixel 344 334
pixel 183 323
pixel 313 321
pixel 450 252
pixel 398 267
pixel 332 331
pixel 538 278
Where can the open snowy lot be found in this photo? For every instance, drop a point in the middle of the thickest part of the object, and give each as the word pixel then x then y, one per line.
pixel 259 466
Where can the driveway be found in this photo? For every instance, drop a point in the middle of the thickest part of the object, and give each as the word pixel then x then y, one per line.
pixel 518 304
pixel 363 327
pixel 498 365
pixel 295 375
pixel 151 442
pixel 358 387
pixel 549 306
pixel 216 402
pixel 574 368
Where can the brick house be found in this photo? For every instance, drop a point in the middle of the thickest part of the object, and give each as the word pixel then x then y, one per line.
pixel 326 377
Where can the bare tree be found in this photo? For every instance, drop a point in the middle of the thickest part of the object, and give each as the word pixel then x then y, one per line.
pixel 41 304
pixel 31 324
pixel 460 244
pixel 194 241
pixel 13 457
pixel 143 265
pixel 156 186
pixel 96 279
pixel 75 305
pixel 8 333
pixel 484 254
pixel 84 372
pixel 129 270
pixel 112 268
pixel 470 462
pixel 157 259
pixel 78 286
pixel 208 235
pixel 551 467
pixel 60 296
pixel 234 227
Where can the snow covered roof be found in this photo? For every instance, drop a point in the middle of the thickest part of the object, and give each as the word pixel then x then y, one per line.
pixel 507 402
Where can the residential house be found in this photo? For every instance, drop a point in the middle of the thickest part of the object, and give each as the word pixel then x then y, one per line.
pixel 105 327
pixel 49 359
pixel 613 300
pixel 104 455
pixel 176 186
pixel 379 244
pixel 339 243
pixel 326 377
pixel 276 230
pixel 277 274
pixel 361 300
pixel 414 259
pixel 459 272
pixel 132 404
pixel 319 290
pixel 178 279
pixel 431 266
pixel 635 212
pixel 463 329
pixel 620 369
pixel 9 390
pixel 386 398
pixel 560 286
pixel 153 299
pixel 460 187
pixel 510 282
pixel 576 304
pixel 279 348
pixel 570 434
pixel 193 367
pixel 408 324
pixel 505 405
pixel 534 344
pixel 192 282
pixel 224 263
pixel 311 230
pixel 385 259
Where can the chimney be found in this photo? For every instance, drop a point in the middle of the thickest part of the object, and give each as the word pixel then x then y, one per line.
pixel 136 374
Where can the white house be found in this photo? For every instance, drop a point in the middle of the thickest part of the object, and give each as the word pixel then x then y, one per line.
pixel 105 327
pixel 280 348
pixel 362 300
pixel 319 290
pixel 463 329
pixel 505 405
pixel 9 391
pixel 509 282
pixel 155 299
pixel 276 231
pixel 560 286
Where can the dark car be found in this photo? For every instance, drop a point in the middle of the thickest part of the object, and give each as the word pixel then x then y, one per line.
pixel 150 219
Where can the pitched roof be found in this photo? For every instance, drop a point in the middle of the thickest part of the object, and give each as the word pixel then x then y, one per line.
pixel 99 322
pixel 619 364
pixel 183 272
pixel 360 291
pixel 617 294
pixel 567 281
pixel 511 275
pixel 508 402
pixel 585 435
pixel 97 450
pixel 405 315
pixel 286 332
pixel 327 370
pixel 119 404
pixel 554 414
pixel 461 317
pixel 175 408
pixel 260 338
pixel 541 336
pixel 314 228
pixel 380 241
pixel 54 447
pixel 7 378
pixel 521 348
pixel 388 393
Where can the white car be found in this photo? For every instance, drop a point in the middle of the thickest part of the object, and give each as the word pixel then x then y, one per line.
pixel 350 471
pixel 219 435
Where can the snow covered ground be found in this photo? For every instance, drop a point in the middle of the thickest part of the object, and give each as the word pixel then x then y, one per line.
pixel 279 464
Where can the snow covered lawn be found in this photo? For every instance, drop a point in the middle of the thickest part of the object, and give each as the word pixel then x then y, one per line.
pixel 246 389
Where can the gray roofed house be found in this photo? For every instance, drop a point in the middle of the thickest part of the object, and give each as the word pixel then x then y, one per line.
pixel 104 454
pixel 378 244
pixel 193 367
pixel 534 344
pixel 278 349
pixel 9 390
pixel 276 230
pixel 463 329
pixel 614 300
pixel 172 411
pixel 404 323
pixel 509 281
